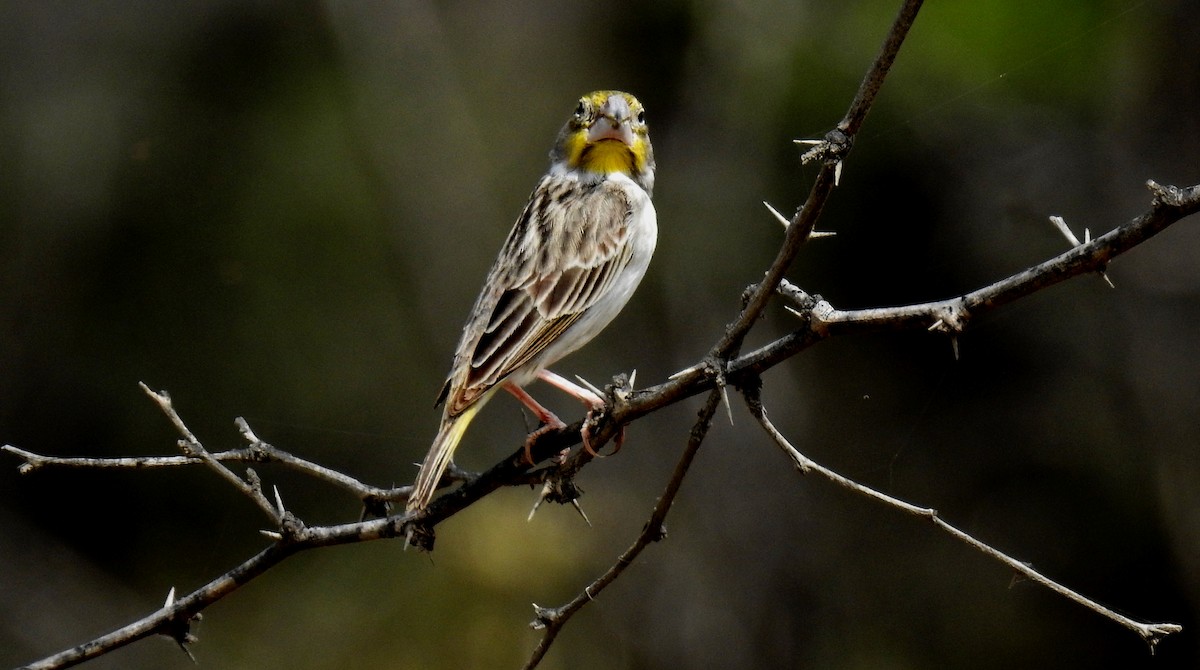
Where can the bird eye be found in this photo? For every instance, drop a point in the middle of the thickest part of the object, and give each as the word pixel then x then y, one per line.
pixel 641 117
pixel 581 110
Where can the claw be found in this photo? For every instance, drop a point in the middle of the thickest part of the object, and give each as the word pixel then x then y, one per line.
pixel 586 434
pixel 618 441
pixel 553 423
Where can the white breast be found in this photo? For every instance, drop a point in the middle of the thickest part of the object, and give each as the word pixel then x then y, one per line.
pixel 643 238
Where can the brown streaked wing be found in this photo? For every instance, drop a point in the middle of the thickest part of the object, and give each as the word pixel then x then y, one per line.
pixel 531 306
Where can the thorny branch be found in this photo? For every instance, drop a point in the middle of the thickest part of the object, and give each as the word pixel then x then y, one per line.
pixel 1150 632
pixel 256 451
pixel 832 151
pixel 724 365
pixel 551 620
pixel 819 321
pixel 192 448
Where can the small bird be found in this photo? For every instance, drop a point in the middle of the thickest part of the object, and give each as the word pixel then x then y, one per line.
pixel 571 262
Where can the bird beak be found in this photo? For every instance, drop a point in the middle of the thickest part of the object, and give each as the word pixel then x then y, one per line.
pixel 612 122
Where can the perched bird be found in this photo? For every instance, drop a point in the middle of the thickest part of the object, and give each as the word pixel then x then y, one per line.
pixel 571 262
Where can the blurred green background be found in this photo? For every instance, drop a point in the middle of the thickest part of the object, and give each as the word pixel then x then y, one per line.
pixel 283 210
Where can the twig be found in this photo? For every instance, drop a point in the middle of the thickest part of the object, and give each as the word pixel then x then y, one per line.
pixel 1150 632
pixel 172 619
pixel 821 320
pixel 552 620
pixel 363 491
pixel 258 452
pixel 193 448
pixel 34 462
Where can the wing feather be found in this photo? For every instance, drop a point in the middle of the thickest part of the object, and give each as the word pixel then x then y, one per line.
pixel 560 258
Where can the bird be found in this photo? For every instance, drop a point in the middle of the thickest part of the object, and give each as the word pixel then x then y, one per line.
pixel 571 262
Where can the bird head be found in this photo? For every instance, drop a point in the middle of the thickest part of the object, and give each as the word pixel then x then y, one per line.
pixel 607 134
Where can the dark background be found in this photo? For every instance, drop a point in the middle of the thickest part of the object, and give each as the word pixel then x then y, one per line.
pixel 283 211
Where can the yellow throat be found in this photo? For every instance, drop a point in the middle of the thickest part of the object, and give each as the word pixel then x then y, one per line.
pixel 607 134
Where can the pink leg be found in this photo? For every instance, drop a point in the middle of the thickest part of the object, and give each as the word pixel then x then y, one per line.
pixel 550 421
pixel 593 402
pixel 576 391
pixel 544 415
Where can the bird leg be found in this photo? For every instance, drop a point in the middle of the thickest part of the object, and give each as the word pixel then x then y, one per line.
pixel 593 402
pixel 549 420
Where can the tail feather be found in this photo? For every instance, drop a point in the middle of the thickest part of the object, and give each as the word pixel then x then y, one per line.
pixel 439 457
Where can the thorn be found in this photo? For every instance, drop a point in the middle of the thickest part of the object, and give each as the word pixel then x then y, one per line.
pixel 272 535
pixel 794 311
pixel 590 386
pixel 786 223
pixel 684 371
pixel 936 325
pixel 778 217
pixel 278 501
pixel 579 508
pixel 954 345
pixel 837 173
pixel 632 378
pixel 719 378
pixel 1061 224
pixel 808 143
pixel 180 629
pixel 187 651
pixel 540 499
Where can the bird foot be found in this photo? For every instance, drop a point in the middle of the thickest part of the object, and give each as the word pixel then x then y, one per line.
pixel 550 423
pixel 586 434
